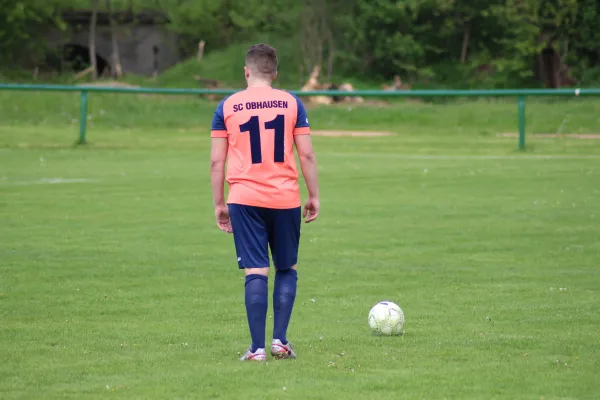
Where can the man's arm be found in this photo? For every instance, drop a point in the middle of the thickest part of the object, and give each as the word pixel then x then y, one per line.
pixel 218 157
pixel 308 164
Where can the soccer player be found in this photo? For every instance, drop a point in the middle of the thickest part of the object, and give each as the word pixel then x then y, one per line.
pixel 255 132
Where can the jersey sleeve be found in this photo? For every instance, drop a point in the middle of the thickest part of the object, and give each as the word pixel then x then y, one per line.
pixel 302 127
pixel 218 129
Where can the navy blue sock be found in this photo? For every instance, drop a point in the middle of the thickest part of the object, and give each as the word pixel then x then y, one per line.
pixel 257 302
pixel 284 295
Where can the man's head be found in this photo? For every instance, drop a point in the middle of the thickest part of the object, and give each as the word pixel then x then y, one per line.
pixel 261 63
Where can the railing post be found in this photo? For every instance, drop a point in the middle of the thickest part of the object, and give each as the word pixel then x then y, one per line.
pixel 82 116
pixel 521 105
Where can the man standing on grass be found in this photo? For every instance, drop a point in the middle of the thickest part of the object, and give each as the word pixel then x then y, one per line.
pixel 255 131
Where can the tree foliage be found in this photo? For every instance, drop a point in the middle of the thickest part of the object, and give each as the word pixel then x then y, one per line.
pixel 460 42
pixel 21 27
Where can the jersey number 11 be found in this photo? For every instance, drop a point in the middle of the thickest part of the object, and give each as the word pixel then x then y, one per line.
pixel 253 126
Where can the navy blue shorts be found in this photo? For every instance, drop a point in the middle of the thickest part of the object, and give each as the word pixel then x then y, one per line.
pixel 255 229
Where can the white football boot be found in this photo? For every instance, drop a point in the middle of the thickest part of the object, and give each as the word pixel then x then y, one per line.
pixel 258 355
pixel 281 351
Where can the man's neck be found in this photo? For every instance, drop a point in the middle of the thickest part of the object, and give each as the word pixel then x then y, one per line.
pixel 258 84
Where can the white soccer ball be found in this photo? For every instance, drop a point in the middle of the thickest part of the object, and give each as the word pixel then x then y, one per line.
pixel 386 318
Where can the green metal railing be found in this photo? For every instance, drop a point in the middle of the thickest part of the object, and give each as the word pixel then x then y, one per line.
pixel 521 96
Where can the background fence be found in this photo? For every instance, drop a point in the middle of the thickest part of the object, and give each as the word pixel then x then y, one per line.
pixel 520 95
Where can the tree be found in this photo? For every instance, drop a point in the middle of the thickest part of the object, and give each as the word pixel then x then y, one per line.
pixel 381 36
pixel 319 21
pixel 92 38
pixel 21 36
pixel 444 41
pixel 585 54
pixel 117 70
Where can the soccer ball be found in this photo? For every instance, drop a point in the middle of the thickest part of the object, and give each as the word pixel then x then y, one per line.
pixel 386 318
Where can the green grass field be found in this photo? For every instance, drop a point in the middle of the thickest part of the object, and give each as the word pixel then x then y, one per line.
pixel 115 282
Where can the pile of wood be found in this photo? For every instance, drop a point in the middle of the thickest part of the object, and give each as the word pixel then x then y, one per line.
pixel 396 85
pixel 313 85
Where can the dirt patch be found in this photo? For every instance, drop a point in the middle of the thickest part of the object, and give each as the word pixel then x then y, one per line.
pixel 350 133
pixel 555 135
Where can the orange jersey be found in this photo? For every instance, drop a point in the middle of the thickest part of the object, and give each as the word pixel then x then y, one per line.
pixel 260 124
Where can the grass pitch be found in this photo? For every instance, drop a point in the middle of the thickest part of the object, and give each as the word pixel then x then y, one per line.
pixel 116 283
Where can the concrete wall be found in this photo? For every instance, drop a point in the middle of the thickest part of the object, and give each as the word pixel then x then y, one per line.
pixel 136 44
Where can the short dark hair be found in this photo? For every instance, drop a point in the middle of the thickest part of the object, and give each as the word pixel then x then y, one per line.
pixel 262 59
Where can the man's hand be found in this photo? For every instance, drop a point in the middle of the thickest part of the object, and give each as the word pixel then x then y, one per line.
pixel 222 217
pixel 311 209
pixel 308 163
pixel 218 156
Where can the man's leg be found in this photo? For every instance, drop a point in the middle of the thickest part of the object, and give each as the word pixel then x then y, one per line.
pixel 257 303
pixel 251 243
pixel 284 295
pixel 284 239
